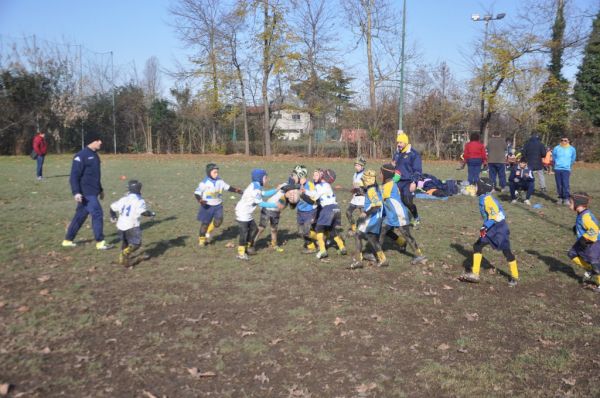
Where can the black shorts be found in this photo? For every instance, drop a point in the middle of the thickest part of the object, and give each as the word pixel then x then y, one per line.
pixel 132 236
pixel 269 217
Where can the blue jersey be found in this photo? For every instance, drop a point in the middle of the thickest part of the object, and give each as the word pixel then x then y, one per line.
pixel 373 206
pixel 395 212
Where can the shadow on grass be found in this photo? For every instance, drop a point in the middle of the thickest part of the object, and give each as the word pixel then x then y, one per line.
pixel 228 233
pixel 152 222
pixel 485 264
pixel 57 176
pixel 555 265
pixel 159 248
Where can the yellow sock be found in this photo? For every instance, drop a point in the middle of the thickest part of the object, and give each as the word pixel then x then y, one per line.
pixel 353 227
pixel 127 251
pixel 340 242
pixel 273 243
pixel 401 241
pixel 311 246
pixel 419 252
pixel 202 240
pixel 596 279
pixel 477 257
pixel 514 271
pixel 312 235
pixel 211 226
pixel 381 256
pixel 321 241
pixel 582 263
pixel 241 250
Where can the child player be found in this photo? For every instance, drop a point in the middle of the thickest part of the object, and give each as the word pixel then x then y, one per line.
pixel 252 197
pixel 369 225
pixel 396 215
pixel 210 196
pixel 494 232
pixel 270 216
pixel 521 178
pixel 586 251
pixel 329 215
pixel 306 211
pixel 358 196
pixel 129 209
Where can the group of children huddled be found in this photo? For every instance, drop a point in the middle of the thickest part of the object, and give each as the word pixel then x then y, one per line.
pixel 382 215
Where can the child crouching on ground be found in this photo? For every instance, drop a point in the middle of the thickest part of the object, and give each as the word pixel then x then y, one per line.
pixel 521 178
pixel 494 232
pixel 252 197
pixel 586 251
pixel 129 209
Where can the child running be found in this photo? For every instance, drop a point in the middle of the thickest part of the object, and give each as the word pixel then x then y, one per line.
pixel 369 226
pixel 396 215
pixel 252 197
pixel 210 196
pixel 129 209
pixel 494 232
pixel 586 251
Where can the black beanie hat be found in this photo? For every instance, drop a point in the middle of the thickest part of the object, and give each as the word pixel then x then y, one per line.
pixel 580 199
pixel 484 185
pixel 388 171
pixel 91 136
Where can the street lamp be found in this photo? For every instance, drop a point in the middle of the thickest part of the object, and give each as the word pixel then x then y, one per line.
pixel 483 126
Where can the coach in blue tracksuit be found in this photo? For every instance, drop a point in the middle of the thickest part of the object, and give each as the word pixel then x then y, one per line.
pixel 408 166
pixel 86 188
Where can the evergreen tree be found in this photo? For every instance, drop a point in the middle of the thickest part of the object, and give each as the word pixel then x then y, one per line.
pixel 587 86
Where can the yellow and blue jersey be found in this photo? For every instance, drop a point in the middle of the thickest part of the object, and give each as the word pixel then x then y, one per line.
pixel 491 210
pixel 586 225
pixel 302 206
pixel 374 209
pixel 395 212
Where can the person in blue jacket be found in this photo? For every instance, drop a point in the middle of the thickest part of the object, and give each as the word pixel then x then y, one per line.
pixel 564 156
pixel 408 166
pixel 86 187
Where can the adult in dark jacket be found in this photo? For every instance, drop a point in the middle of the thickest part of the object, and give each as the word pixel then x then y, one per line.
pixel 408 170
pixel 497 160
pixel 534 151
pixel 86 188
pixel 40 146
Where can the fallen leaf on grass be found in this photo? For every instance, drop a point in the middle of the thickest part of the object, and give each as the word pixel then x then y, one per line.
pixel 4 388
pixel 194 372
pixel 446 287
pixel 148 394
pixel 363 388
pixel 229 245
pixel 427 321
pixel 2 304
pixel 376 317
pixel 571 381
pixel 339 321
pixel 44 292
pixel 23 308
pixel 248 333
pixel 541 294
pixel 262 378
pixel 443 347
pixel 472 317
pixel 546 343
pixel 430 292
pixel 462 350
pixel 207 374
pixel 43 278
pixel 276 341
pixel 46 350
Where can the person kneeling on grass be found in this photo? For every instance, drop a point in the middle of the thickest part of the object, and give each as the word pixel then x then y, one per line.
pixel 210 196
pixel 252 197
pixel 129 209
pixel 586 251
pixel 369 226
pixel 494 232
pixel 521 178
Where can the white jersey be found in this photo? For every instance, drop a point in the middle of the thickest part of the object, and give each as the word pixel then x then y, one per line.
pixel 251 197
pixel 358 200
pixel 324 194
pixel 130 208
pixel 212 190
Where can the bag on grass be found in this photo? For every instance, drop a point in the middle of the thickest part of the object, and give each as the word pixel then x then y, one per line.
pixel 33 155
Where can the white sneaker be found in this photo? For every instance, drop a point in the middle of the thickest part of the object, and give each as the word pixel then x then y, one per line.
pixel 68 243
pixel 527 202
pixel 102 245
pixel 514 201
pixel 587 276
pixel 243 257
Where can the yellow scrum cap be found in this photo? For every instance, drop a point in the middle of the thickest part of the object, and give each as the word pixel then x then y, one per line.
pixel 401 137
pixel 369 178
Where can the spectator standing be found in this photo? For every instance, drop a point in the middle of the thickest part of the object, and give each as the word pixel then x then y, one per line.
pixel 534 151
pixel 564 156
pixel 496 160
pixel 475 157
pixel 40 146
pixel 87 188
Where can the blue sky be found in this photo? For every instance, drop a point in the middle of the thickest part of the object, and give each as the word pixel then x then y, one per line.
pixel 136 29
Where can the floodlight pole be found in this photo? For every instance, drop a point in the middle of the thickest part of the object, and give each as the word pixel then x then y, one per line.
pixel 401 94
pixel 112 78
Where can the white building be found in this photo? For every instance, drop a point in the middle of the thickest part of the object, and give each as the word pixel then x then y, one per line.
pixel 290 124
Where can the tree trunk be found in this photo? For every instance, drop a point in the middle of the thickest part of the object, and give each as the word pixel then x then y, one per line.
pixel 266 69
pixel 369 41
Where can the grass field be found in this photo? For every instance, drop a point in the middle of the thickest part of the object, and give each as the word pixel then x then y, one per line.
pixel 193 321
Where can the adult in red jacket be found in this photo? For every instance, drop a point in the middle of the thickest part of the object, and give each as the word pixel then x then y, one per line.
pixel 40 146
pixel 475 156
